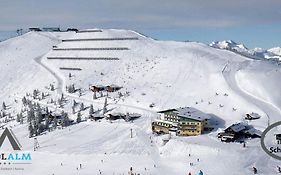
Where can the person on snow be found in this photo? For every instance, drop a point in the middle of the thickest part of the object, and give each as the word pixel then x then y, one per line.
pixel 200 173
pixel 255 170
pixel 279 169
pixel 189 173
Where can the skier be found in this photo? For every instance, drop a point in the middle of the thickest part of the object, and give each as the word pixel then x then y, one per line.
pixel 80 166
pixel 189 173
pixel 200 173
pixel 279 169
pixel 255 170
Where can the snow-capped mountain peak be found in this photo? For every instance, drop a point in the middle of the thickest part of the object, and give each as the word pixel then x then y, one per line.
pixel 229 45
pixel 255 53
pixel 275 50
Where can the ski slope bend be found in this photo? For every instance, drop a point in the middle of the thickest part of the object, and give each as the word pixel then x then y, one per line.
pixel 272 112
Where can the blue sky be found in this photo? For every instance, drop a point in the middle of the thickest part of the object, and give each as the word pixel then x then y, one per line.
pixel 256 23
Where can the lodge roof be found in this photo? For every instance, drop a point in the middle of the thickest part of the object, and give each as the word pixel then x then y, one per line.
pixel 237 127
pixel 188 112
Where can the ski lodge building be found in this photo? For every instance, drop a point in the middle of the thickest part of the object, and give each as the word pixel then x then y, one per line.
pixel 186 121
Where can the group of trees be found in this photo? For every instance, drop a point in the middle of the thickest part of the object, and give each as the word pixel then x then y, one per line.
pixel 41 119
pixel 71 88
pixel 4 113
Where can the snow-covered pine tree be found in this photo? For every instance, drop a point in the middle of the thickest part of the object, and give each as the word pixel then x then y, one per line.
pixel 104 107
pixel 82 107
pixel 18 118
pixel 47 122
pixel 74 103
pixel 65 119
pixel 73 109
pixel 41 128
pixel 4 107
pixel 35 127
pixel 78 120
pixel 21 118
pixel 47 110
pixel 30 129
pixel 91 110
pixel 35 94
pixel 24 101
pixel 42 95
pixel 55 122
pixel 38 116
pixel 52 88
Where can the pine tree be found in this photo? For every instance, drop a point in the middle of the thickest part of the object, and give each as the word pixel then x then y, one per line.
pixel 74 103
pixel 47 110
pixel 62 97
pixel 24 101
pixel 41 128
pixel 60 103
pixel 47 122
pixel 104 107
pixel 71 88
pixel 78 120
pixel 73 110
pixel 55 123
pixel 21 118
pixel 35 93
pixel 91 110
pixel 4 107
pixel 36 127
pixel 52 87
pixel 82 107
pixel 39 116
pixel 18 118
pixel 65 119
pixel 31 130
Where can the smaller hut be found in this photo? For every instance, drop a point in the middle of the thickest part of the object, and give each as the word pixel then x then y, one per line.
pixel 113 88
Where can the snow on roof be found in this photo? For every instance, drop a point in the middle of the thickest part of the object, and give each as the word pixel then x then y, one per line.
pixel 237 127
pixel 192 113
pixel 113 85
pixel 135 115
pixel 117 114
pixel 253 131
pixel 255 115
pixel 98 86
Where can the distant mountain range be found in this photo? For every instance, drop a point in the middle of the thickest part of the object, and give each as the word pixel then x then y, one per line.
pixel 273 54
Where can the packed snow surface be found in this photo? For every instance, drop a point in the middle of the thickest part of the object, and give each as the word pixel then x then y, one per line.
pixel 169 74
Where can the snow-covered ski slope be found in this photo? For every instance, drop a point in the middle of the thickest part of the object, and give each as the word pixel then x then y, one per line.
pixel 169 74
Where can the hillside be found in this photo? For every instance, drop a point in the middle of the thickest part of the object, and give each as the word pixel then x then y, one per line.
pixel 168 74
